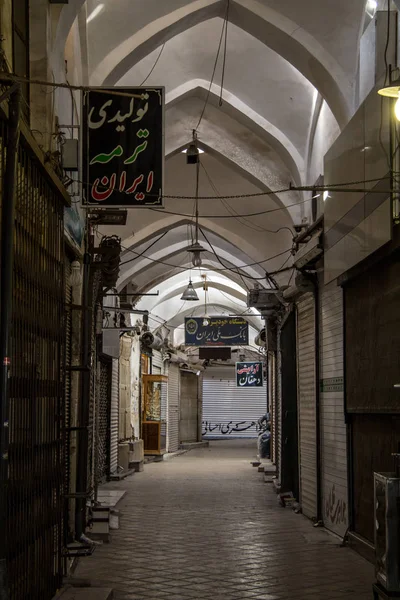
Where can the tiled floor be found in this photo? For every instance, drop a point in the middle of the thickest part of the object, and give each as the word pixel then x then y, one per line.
pixel 205 526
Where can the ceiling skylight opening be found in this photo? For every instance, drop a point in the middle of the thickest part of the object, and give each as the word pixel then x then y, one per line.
pixel 95 13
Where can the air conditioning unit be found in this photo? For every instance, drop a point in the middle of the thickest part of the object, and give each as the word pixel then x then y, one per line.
pixel 265 300
pixel 301 286
pixel 387 521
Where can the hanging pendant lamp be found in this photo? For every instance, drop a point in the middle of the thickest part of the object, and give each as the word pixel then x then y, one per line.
pixel 392 90
pixel 190 294
pixel 195 249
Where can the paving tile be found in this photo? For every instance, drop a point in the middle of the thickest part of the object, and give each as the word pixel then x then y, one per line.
pixel 205 527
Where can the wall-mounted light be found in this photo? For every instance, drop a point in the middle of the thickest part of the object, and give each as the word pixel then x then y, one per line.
pixel 95 13
pixel 326 195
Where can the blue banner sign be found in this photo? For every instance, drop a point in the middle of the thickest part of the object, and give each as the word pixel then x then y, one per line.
pixel 216 331
pixel 249 374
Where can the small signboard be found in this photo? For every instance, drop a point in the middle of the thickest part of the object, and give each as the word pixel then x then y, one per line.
pixel 249 374
pixel 216 331
pixel 123 147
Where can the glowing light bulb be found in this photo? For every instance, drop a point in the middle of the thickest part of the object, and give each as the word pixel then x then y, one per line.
pixel 196 259
pixel 397 108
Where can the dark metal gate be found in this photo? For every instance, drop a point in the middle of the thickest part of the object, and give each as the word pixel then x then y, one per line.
pixel 103 415
pixel 36 408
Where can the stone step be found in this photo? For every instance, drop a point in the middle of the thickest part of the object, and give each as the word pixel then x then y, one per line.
pixel 88 593
pixel 194 445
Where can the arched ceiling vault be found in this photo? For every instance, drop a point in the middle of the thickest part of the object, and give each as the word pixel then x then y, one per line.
pixel 287 64
pixel 267 25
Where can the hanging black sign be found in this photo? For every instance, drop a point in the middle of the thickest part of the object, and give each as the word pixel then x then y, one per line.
pixel 249 374
pixel 123 147
pixel 216 331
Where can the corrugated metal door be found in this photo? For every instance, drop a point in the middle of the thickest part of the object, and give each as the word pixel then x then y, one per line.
pixel 333 428
pixel 289 463
pixel 156 363
pixel 272 400
pixel 228 410
pixel 306 373
pixel 188 420
pixel 67 376
pixel 278 412
pixel 173 408
pixel 114 420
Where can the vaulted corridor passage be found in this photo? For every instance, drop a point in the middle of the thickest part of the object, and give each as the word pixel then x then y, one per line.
pixel 205 526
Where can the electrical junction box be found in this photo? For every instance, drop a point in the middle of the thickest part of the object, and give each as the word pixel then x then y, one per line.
pixel 263 299
pixel 70 155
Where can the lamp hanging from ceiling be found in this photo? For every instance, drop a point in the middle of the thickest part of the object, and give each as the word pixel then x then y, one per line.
pixel 392 90
pixel 196 248
pixel 190 294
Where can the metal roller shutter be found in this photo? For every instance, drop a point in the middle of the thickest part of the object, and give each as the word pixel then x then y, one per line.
pixel 333 428
pixel 272 401
pixel 278 413
pixel 67 376
pixel 173 408
pixel 114 421
pixel 306 372
pixel 156 363
pixel 230 411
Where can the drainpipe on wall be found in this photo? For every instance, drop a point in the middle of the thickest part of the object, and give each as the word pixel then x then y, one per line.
pixel 7 251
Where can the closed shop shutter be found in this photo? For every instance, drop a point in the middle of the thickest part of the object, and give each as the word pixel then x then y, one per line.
pixel 306 373
pixel 173 408
pixel 278 412
pixel 272 400
pixel 156 363
pixel 333 428
pixel 289 464
pixel 114 421
pixel 230 411
pixel 372 333
pixel 188 407
pixel 68 363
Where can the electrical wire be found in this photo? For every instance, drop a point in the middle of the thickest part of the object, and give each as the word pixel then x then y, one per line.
pixel 145 250
pixel 240 266
pixel 154 66
pixel 242 220
pixel 224 25
pixel 225 53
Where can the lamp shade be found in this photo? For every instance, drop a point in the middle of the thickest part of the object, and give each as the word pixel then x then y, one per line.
pixel 392 90
pixel 190 294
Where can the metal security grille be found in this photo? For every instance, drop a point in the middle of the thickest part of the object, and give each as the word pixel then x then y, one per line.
pixel 103 412
pixel 230 411
pixel 173 408
pixel 36 467
pixel 114 417
pixel 306 374
pixel 67 386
